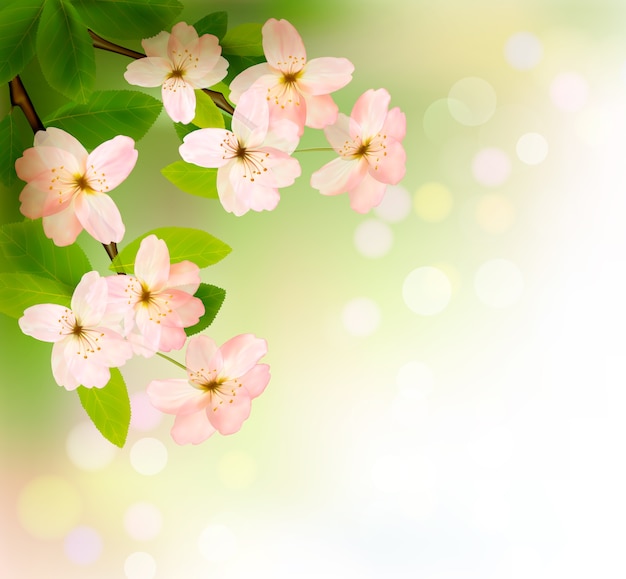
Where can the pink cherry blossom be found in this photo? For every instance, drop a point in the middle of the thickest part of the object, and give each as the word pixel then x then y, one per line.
pixel 252 161
pixel 371 155
pixel 180 62
pixel 68 187
pixel 221 383
pixel 84 347
pixel 296 88
pixel 156 303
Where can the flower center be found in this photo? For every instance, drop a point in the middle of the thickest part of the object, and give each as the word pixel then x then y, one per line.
pixel 83 184
pixel 372 149
pixel 251 161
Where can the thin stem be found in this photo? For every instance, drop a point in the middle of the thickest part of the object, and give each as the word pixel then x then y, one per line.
pixel 314 149
pixel 172 361
pixel 218 98
pixel 19 98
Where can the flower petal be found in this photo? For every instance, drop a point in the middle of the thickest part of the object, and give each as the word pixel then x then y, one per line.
pixel 61 372
pixel 256 379
pixel 152 263
pixel 367 194
pixel 370 111
pixel 110 163
pixel 41 321
pixel 205 147
pixel 231 200
pixel 395 124
pixel 156 45
pixel 148 72
pixel 100 217
pixel 392 167
pixel 89 300
pixel 251 118
pixel 259 75
pixel 283 46
pixel 229 408
pixel 184 276
pixel 321 111
pixel 53 137
pixel 325 75
pixel 192 428
pixel 203 355
pixel 62 227
pixel 176 396
pixel 48 166
pixel 241 353
pixel 179 100
pixel 32 201
pixel 339 176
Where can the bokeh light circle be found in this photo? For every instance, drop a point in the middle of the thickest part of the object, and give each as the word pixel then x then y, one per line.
pixel 532 148
pixel 88 449
pixel 83 545
pixel 361 316
pixel 144 416
pixel 491 167
pixel 569 91
pixel 472 101
pixel 373 238
pixel 415 380
pixel 395 206
pixel 499 283
pixel 140 565
pixel 427 291
pixel 390 473
pixel 143 521
pixel 148 456
pixel 523 51
pixel 494 213
pixel 48 507
pixel 432 202
pixel 217 543
pixel 237 470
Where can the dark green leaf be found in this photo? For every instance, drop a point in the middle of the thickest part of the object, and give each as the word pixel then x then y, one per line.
pixel 183 130
pixel 19 291
pixel 107 114
pixel 128 18
pixel 243 40
pixel 183 243
pixel 212 297
pixel 18 27
pixel 108 408
pixel 192 179
pixel 13 142
pixel 237 64
pixel 25 248
pixel 65 51
pixel 215 23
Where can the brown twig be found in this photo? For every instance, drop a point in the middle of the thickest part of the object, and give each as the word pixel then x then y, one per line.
pixel 217 97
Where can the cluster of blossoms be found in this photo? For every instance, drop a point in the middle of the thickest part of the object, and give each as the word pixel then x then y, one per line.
pixel 115 317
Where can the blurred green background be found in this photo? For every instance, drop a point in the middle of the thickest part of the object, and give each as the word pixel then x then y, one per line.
pixel 447 371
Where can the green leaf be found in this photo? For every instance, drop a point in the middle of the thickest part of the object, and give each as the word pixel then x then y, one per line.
pixel 208 116
pixel 192 179
pixel 65 51
pixel 25 248
pixel 19 291
pixel 237 64
pixel 215 23
pixel 244 40
pixel 108 408
pixel 128 18
pixel 183 243
pixel 107 114
pixel 18 27
pixel 183 130
pixel 212 297
pixel 13 142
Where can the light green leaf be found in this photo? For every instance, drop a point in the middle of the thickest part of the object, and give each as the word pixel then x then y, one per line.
pixel 215 23
pixel 237 64
pixel 183 243
pixel 65 51
pixel 108 408
pixel 107 114
pixel 192 179
pixel 208 116
pixel 212 297
pixel 18 27
pixel 25 248
pixel 19 291
pixel 128 18
pixel 13 142
pixel 244 40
